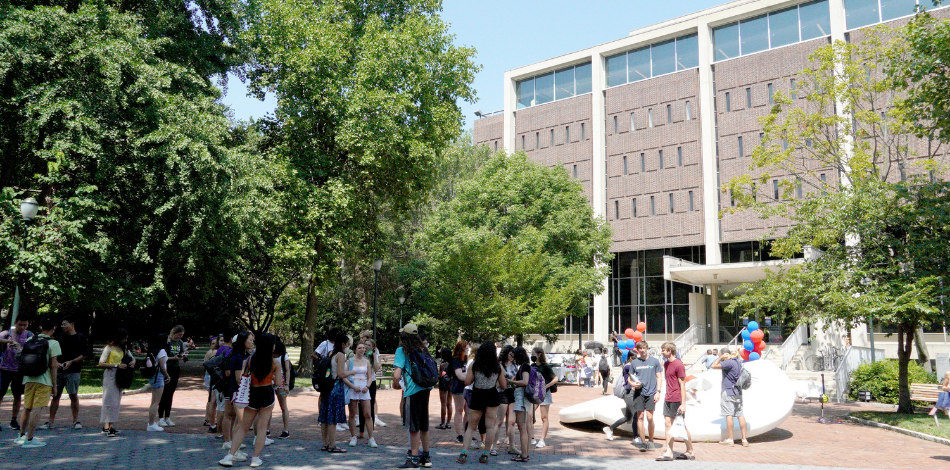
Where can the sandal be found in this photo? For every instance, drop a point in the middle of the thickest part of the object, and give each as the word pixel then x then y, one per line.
pixel 483 458
pixel 494 453
pixel 520 458
pixel 685 457
pixel 463 457
pixel 324 448
pixel 336 450
pixel 664 458
pixel 745 443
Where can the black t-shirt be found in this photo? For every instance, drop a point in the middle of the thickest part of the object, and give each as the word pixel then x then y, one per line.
pixel 73 346
pixel 457 385
pixel 525 368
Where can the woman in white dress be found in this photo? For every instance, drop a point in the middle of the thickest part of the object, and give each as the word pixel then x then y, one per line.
pixel 358 384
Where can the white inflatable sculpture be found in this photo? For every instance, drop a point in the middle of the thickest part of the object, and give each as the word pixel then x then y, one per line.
pixel 766 405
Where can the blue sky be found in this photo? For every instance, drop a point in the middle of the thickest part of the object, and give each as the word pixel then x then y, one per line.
pixel 510 34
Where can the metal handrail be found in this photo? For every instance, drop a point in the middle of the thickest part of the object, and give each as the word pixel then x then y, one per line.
pixel 792 344
pixel 850 361
pixel 689 338
pixel 734 342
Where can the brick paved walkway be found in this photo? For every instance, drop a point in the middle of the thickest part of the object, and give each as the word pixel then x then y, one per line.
pixel 798 441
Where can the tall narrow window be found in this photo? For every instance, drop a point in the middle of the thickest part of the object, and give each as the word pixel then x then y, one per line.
pixel 650 117
pixel 688 114
pixel 761 138
pixel 808 142
pixel 748 97
pixel 775 189
pixel 822 176
pixel 669 113
pixel 661 159
pixel 617 210
pixel 633 122
pixel 567 134
pixel 732 199
pixel 679 156
pixel 552 137
pixel 625 164
pixel 798 187
pixel 741 149
pixel 615 124
pixel 691 201
pixel 643 162
pixel 575 171
pixel 582 131
pixel 792 90
pixel 652 205
pixel 784 143
pixel 496 145
pixel 771 101
pixel 728 102
pixel 537 140
pixel 671 203
pixel 754 196
pixel 522 143
pixel 634 207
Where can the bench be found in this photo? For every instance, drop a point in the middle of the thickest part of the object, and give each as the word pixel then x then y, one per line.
pixel 382 380
pixel 924 392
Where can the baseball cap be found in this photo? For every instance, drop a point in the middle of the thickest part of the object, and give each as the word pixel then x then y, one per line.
pixel 410 329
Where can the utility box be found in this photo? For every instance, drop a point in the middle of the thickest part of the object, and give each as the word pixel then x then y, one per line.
pixel 864 395
pixel 942 365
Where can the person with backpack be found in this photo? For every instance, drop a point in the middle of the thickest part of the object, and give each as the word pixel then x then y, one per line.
pixel 155 364
pixel 286 368
pixel 218 384
pixel 113 358
pixel 76 348
pixel 625 390
pixel 457 386
pixel 521 405
pixel 603 366
pixel 241 346
pixel 39 365
pixel 550 386
pixel 730 399
pixel 333 408
pixel 485 376
pixel 177 353
pixel 415 366
pixel 11 341
pixel 674 405
pixel 210 405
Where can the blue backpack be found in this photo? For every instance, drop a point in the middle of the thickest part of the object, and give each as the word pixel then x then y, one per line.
pixel 423 370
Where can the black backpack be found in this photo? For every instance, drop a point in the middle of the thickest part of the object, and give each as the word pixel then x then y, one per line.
pixel 322 382
pixel 124 377
pixel 215 369
pixel 423 370
pixel 603 365
pixel 33 357
pixel 293 374
pixel 150 367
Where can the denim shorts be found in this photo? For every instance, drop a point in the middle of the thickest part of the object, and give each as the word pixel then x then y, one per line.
pixel 157 381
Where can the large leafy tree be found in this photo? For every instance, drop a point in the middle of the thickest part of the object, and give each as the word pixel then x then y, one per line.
pixel 366 100
pixel 514 252
pixel 855 184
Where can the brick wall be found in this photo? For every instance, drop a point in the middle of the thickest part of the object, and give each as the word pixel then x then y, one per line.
pixel 490 131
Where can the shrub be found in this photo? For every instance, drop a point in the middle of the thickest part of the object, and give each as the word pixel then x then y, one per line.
pixel 880 378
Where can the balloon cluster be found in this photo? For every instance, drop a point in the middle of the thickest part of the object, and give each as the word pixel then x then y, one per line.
pixel 752 344
pixel 633 337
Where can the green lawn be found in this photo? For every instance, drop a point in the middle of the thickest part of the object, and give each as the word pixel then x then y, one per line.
pixel 920 422
pixel 91 381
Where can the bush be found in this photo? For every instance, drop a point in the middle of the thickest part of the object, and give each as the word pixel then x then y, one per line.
pixel 880 378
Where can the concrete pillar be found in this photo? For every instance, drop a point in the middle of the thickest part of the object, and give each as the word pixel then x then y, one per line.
pixel 599 178
pixel 511 104
pixel 707 115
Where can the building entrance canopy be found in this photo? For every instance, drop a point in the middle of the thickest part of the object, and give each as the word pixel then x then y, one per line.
pixel 675 269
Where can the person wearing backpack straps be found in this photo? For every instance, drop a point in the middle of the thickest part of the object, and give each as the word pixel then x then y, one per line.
pixel 416 396
pixel 333 408
pixel 280 353
pixel 39 365
pixel 219 388
pixel 210 404
pixel 241 346
pixel 76 348
pixel 112 360
pixel 521 405
pixel 11 341
pixel 457 386
pixel 730 400
pixel 485 376
pixel 177 353
pixel 156 358
pixel 603 366
pixel 550 386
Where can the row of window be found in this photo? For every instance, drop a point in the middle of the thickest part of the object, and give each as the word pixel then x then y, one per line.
pixel 669 118
pixel 643 161
pixel 770 91
pixel 776 29
pixel 567 137
pixel 860 13
pixel 690 207
pixel 776 191
pixel 558 85
pixel 652 61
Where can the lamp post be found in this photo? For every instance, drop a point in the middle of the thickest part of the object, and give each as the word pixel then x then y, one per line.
pixel 28 209
pixel 377 265
pixel 867 281
pixel 402 300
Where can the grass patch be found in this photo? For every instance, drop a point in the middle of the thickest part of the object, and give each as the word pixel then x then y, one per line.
pixel 920 422
pixel 91 381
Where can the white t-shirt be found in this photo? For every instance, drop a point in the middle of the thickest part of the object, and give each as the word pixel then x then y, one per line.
pixel 325 348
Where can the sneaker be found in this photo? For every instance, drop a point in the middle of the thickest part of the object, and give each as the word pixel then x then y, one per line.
pixel 409 463
pixel 284 435
pixel 268 433
pixel 226 446
pixel 227 461
pixel 240 456
pixel 425 460
pixel 353 441
pixel 541 444
pixel 105 430
pixel 112 433
pixel 33 443
pixel 44 426
pixel 154 428
pixel 609 433
pixel 20 440
pixel 268 441
pixel 77 426
pixel 346 427
pixel 372 443
pixel 340 428
pixel 459 439
pixel 169 422
pixel 534 441
pixel 206 423
pixel 380 422
pixel 212 429
pixel 162 422
pixel 256 462
pixel 14 425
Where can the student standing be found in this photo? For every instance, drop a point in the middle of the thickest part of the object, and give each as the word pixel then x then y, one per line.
pixel 630 380
pixel 646 395
pixel 372 354
pixel 210 405
pixel 280 353
pixel 457 386
pixel 486 376
pixel 358 383
pixel 673 402
pixel 158 356
pixel 177 353
pixel 521 405
pixel 445 393
pixel 333 408
pixel 112 358
pixel 506 400
pixel 241 349
pixel 76 348
pixel 416 410
pixel 11 341
pixel 41 351
pixel 220 388
pixel 603 366
pixel 730 400
pixel 550 386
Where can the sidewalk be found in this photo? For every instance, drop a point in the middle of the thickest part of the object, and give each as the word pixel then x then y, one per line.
pixel 798 441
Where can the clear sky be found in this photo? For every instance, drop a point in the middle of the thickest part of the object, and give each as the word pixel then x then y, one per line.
pixel 510 34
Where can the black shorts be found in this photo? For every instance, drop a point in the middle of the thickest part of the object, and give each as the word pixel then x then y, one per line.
pixel 444 385
pixel 417 411
pixel 483 398
pixel 13 380
pixel 670 407
pixel 506 397
pixel 260 397
pixel 643 402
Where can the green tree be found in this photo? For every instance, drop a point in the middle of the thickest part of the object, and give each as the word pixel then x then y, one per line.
pixel 366 97
pixel 876 224
pixel 515 251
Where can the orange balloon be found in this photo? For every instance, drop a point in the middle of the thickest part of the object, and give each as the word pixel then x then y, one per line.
pixel 757 336
pixel 637 336
pixel 744 354
pixel 759 347
pixel 628 333
pixel 642 327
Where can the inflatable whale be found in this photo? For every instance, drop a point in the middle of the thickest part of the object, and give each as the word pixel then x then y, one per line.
pixel 766 404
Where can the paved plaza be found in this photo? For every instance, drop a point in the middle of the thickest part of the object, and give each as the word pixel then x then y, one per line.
pixel 800 442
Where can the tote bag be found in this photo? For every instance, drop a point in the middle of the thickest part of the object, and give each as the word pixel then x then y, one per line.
pixel 243 394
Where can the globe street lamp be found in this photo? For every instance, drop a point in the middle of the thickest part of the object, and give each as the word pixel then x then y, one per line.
pixel 377 265
pixel 402 300
pixel 28 209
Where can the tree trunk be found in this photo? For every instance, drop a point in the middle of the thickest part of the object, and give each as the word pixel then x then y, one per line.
pixel 309 327
pixel 905 339
pixel 923 354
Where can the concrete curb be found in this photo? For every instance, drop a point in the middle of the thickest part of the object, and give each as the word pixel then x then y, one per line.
pixel 97 395
pixel 907 432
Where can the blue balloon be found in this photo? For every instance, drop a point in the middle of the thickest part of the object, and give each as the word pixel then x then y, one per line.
pixel 753 356
pixel 747 344
pixel 622 344
pixel 624 354
pixel 753 325
pixel 745 334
